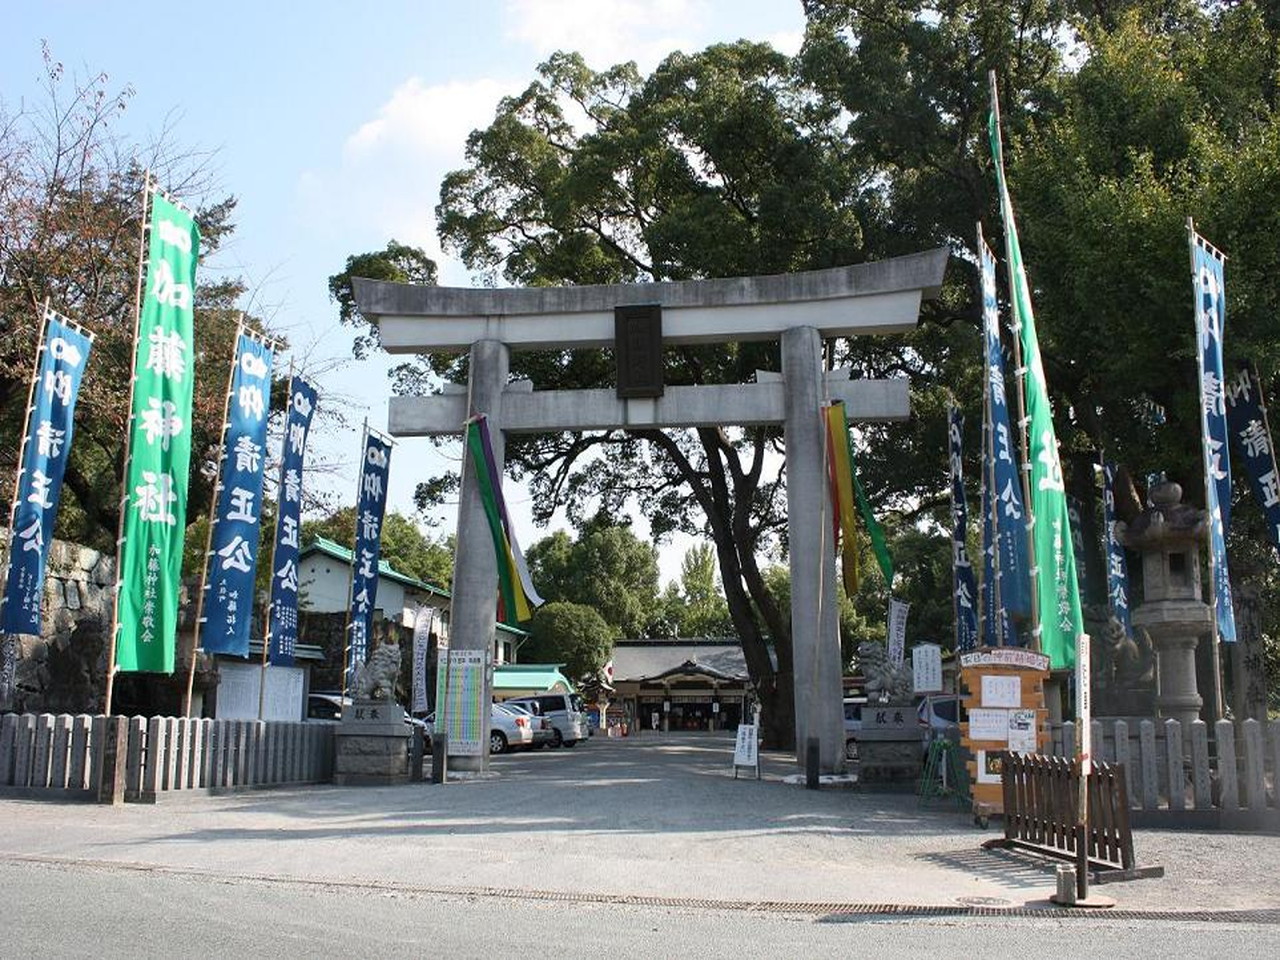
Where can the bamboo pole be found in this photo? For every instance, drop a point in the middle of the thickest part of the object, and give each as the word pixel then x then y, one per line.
pixel 1020 372
pixel 113 639
pixel 213 521
pixel 955 601
pixel 275 536
pixel 1215 642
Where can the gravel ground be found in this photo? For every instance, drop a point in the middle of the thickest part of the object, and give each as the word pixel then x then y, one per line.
pixel 660 817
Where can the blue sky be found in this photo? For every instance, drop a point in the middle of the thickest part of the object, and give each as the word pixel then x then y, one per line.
pixel 333 124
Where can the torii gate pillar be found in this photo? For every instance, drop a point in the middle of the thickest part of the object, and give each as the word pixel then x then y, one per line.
pixel 475 568
pixel 815 628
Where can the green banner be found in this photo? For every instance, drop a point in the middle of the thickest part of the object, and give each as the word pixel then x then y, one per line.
pixel 159 446
pixel 1058 596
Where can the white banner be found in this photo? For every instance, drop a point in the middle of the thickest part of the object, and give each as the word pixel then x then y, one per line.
pixel 422 623
pixel 897 631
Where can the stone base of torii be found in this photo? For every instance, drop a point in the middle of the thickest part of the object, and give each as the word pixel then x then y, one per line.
pixel 800 310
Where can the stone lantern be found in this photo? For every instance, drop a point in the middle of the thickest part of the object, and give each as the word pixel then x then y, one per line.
pixel 1168 535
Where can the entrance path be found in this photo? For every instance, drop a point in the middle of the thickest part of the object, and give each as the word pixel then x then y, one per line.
pixel 654 818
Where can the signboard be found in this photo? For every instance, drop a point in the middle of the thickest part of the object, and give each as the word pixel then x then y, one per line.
pixel 746 749
pixel 989 725
pixel 926 668
pixel 991 765
pixel 466 716
pixel 1000 691
pixel 1015 657
pixel 238 692
pixel 897 631
pixel 1022 731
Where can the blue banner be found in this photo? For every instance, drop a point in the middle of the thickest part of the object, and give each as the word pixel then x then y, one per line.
pixel 1247 416
pixel 62 358
pixel 1008 514
pixel 233 547
pixel 284 576
pixel 1117 565
pixel 964 589
pixel 371 504
pixel 1211 309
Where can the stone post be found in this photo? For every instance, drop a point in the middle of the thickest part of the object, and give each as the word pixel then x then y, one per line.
pixel 475 569
pixel 815 635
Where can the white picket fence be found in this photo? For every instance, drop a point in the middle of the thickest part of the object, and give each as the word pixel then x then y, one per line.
pixel 151 757
pixel 1168 768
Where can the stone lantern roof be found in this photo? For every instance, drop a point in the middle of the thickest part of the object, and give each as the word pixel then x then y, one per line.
pixel 1167 521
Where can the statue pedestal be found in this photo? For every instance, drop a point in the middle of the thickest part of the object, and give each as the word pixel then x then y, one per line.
pixel 890 746
pixel 372 745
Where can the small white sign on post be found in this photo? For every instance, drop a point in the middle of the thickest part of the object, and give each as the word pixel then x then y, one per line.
pixel 746 749
pixel 897 631
pixel 926 668
pixel 1084 703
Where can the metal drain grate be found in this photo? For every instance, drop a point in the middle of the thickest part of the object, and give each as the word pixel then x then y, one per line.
pixel 826 911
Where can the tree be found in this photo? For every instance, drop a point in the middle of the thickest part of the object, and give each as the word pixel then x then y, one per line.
pixel 406 548
pixel 698 607
pixel 572 634
pixel 607 568
pixel 70 216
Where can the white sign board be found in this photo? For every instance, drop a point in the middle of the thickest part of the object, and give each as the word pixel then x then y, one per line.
pixel 237 697
pixel 746 748
pixel 1005 657
pixel 1000 691
pixel 1022 731
pixel 926 668
pixel 991 765
pixel 466 718
pixel 989 725
pixel 897 631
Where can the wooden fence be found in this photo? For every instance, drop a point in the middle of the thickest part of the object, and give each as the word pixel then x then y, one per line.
pixel 142 759
pixel 1041 801
pixel 1233 773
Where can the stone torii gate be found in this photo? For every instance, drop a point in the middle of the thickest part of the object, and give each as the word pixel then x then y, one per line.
pixel 801 309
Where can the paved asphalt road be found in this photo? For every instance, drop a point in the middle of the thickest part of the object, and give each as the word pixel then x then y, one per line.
pixel 630 848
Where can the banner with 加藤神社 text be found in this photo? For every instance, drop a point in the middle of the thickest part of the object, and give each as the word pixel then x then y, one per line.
pixel 155 511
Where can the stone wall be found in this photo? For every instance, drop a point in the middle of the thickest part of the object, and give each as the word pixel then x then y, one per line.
pixel 64 669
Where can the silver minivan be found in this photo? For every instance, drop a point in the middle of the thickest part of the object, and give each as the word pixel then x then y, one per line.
pixel 567 714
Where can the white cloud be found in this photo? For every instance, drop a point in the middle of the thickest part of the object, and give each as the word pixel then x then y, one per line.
pixel 606 32
pixel 428 119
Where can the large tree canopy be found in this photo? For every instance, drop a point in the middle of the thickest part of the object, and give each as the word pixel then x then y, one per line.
pixel 1121 120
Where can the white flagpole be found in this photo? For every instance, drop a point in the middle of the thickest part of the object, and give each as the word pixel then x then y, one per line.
pixel 113 638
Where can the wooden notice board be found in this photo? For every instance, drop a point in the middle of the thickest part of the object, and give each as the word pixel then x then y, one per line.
pixel 1003 695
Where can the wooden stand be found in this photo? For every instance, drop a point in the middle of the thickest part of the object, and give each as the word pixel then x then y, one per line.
pixel 1031 671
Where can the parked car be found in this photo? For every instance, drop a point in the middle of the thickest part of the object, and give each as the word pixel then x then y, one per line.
pixel 508 730
pixel 939 714
pixel 852 725
pixel 543 732
pixel 567 714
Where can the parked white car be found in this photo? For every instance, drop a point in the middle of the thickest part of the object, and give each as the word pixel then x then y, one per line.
pixel 567 714
pixel 507 729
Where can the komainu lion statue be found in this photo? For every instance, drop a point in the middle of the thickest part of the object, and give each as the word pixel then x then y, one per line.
pixel 376 679
pixel 884 680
